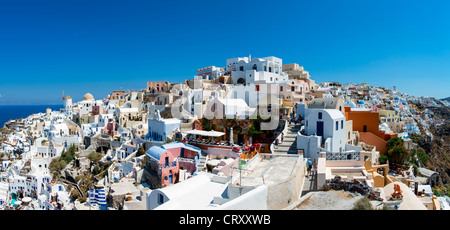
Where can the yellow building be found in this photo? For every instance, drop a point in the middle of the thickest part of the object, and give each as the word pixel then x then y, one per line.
pixel 391 118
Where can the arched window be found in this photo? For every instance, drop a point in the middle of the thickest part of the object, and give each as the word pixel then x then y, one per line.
pixel 255 67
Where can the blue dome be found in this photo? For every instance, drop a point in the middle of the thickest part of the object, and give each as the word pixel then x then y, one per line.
pixel 404 103
pixel 361 102
pixel 156 152
pixel 396 98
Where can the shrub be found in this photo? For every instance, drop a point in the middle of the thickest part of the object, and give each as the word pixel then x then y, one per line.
pixel 141 151
pixel 95 157
pixel 383 158
pixel 363 204
pixel 69 154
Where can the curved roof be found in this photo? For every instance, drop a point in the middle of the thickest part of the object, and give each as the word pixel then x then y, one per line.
pixel 181 145
pixel 334 113
pixel 325 103
pixel 156 152
pixel 361 102
pixel 88 97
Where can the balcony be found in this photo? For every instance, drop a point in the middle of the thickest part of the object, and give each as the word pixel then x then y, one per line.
pixel 169 165
pixel 351 156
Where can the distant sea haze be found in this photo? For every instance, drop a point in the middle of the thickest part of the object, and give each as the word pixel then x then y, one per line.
pixel 12 112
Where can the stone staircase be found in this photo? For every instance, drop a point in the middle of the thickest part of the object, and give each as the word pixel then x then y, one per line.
pixel 289 145
pixel 202 162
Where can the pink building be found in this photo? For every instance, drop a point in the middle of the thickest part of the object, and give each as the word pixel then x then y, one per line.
pixel 157 86
pixel 111 129
pixel 165 162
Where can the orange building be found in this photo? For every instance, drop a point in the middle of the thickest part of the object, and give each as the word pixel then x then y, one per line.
pixel 115 95
pixel 366 123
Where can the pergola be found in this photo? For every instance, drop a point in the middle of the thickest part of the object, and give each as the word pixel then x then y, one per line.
pixel 205 133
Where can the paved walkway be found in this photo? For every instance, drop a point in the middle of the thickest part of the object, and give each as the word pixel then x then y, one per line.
pixel 289 146
pixel 309 184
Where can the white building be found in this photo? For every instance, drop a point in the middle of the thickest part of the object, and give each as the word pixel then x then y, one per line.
pixel 325 132
pixel 85 106
pixel 245 70
pixel 160 129
pixel 68 107
pixel 207 192
pixel 229 108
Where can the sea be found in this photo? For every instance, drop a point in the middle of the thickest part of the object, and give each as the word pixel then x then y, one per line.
pixel 12 112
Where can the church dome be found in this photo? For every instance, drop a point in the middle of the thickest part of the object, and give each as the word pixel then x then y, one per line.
pixel 88 97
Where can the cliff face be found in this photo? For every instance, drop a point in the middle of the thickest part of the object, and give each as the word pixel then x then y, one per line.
pixel 437 148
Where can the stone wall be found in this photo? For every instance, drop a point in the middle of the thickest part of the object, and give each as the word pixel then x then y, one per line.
pixel 284 193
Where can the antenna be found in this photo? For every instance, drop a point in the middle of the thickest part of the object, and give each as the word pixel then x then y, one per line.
pixel 240 177
pixel 63 97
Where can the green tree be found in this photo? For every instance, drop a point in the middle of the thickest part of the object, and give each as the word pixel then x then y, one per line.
pixel 397 153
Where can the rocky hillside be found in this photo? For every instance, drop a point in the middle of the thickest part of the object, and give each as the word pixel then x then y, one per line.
pixel 445 99
pixel 437 148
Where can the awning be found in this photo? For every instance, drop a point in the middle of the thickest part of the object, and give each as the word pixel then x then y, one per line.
pixel 205 133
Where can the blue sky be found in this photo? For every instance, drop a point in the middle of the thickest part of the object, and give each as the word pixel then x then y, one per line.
pixel 100 46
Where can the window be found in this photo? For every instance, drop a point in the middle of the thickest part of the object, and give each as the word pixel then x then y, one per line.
pixel 337 125
pixel 342 124
pixel 241 68
pixel 160 198
pixel 320 115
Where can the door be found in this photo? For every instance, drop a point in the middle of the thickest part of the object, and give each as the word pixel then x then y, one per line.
pixel 320 128
pixel 170 177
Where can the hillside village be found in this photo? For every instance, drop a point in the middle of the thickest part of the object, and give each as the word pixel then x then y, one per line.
pixel 255 134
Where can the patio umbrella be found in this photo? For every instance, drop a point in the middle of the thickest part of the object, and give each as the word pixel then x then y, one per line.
pixel 214 134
